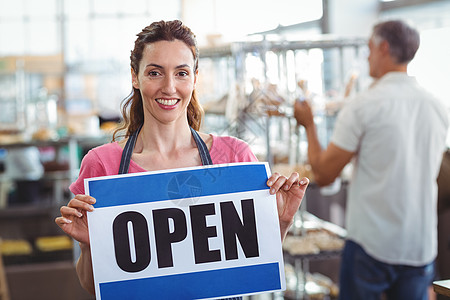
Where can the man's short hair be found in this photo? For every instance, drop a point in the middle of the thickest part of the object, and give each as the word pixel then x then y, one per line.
pixel 403 39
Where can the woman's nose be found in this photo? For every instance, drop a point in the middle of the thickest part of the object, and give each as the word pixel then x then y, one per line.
pixel 169 85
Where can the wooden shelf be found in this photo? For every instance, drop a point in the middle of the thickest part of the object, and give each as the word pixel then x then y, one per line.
pixel 27 210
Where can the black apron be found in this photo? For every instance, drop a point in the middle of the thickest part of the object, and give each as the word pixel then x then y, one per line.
pixel 128 151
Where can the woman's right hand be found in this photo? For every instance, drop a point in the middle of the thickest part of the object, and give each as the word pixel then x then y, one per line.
pixel 73 219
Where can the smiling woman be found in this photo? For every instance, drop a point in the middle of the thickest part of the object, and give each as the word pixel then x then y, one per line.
pixel 161 119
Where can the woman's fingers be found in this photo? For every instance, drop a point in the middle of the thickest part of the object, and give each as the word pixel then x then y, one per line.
pixel 80 203
pixel 84 199
pixel 73 219
pixel 275 182
pixel 292 180
pixel 289 193
pixel 62 221
pixel 304 182
pixel 76 208
pixel 70 211
pixel 278 182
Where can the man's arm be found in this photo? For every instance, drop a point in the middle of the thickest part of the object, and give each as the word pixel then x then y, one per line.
pixel 326 164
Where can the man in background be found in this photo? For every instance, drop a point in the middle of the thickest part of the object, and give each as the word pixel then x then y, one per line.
pixel 395 132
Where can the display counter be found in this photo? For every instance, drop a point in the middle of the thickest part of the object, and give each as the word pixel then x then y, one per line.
pixel 442 287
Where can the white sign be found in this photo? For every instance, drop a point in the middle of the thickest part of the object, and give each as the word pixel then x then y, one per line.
pixel 193 233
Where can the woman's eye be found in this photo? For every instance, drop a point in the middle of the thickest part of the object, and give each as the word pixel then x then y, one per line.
pixel 153 73
pixel 183 73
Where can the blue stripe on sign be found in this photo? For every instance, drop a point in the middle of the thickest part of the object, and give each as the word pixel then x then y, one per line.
pixel 206 284
pixel 122 190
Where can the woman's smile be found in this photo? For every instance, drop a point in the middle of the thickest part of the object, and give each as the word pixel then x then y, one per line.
pixel 167 103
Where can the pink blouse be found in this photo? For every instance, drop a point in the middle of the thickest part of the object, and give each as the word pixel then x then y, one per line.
pixel 104 160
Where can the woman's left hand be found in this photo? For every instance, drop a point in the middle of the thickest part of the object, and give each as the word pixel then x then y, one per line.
pixel 289 193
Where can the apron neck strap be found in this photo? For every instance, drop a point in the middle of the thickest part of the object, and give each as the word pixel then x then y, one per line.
pixel 131 142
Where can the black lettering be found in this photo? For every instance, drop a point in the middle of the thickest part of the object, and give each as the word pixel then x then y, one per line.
pixel 245 231
pixel 164 238
pixel 201 233
pixel 122 241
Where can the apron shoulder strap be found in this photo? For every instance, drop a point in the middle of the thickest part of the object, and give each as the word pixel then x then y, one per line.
pixel 202 148
pixel 128 151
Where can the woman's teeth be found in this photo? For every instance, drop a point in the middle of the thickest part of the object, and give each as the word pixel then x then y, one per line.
pixel 167 102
